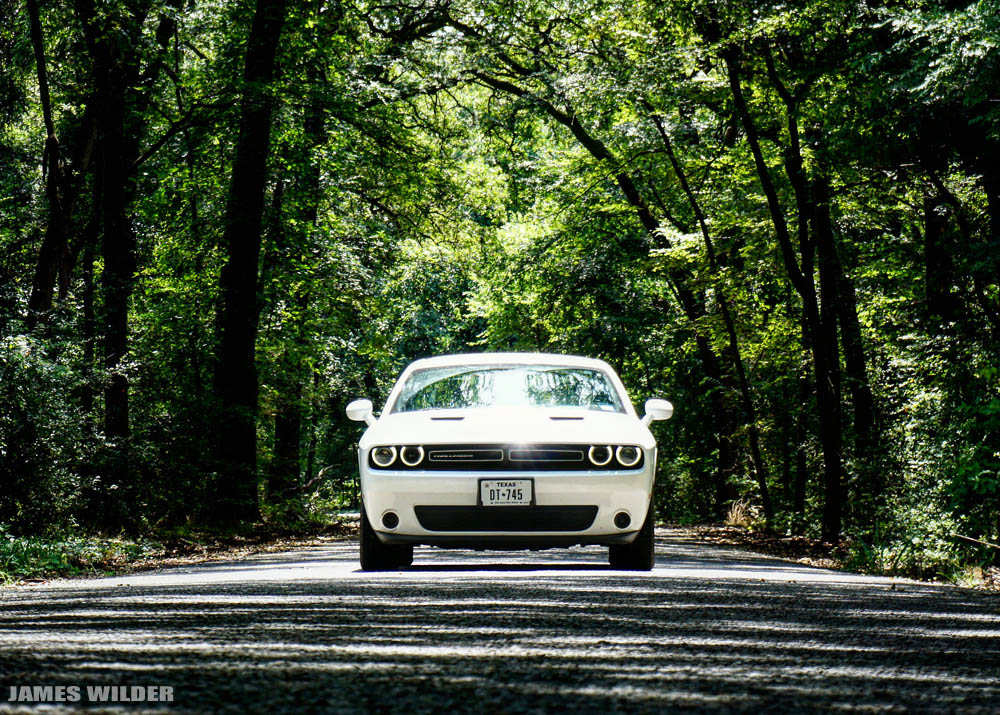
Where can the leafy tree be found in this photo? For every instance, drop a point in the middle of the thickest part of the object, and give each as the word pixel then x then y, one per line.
pixel 784 217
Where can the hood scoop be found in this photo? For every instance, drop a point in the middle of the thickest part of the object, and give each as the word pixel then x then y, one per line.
pixel 448 419
pixel 561 418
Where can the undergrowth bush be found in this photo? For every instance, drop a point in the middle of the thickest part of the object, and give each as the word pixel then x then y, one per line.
pixel 31 557
pixel 43 437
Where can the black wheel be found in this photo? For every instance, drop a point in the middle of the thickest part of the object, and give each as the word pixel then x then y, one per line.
pixel 640 555
pixel 405 555
pixel 376 556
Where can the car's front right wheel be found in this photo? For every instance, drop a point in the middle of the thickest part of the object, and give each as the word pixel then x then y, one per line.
pixel 376 556
pixel 640 555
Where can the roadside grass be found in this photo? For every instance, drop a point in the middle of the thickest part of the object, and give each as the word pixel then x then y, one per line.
pixel 27 557
pixel 33 558
pixel 742 514
pixel 36 558
pixel 882 558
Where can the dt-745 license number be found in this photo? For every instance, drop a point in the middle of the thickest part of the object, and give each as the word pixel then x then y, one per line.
pixel 505 492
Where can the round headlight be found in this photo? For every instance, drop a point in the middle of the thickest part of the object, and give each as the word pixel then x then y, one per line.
pixel 628 456
pixel 384 456
pixel 599 455
pixel 412 456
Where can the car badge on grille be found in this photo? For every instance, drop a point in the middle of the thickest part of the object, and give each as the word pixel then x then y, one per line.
pixel 467 455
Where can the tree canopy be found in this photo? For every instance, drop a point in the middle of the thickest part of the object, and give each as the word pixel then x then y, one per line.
pixel 221 220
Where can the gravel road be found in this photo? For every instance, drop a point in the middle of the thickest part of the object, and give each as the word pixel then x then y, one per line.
pixel 710 629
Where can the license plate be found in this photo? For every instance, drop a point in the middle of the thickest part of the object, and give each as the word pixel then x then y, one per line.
pixel 505 492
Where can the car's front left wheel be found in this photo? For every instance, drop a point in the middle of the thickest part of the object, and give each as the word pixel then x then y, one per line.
pixel 376 556
pixel 640 555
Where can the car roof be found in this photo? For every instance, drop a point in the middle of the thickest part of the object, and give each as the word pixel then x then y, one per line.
pixel 509 358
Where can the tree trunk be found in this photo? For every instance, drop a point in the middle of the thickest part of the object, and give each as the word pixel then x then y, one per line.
pixel 314 415
pixel 820 322
pixel 88 323
pixel 746 397
pixel 235 382
pixel 801 460
pixel 829 399
pixel 54 252
pixel 283 472
pixel 114 48
pixel 288 420
pixel 865 410
pixel 938 263
pixel 285 469
pixel 839 309
pixel 118 254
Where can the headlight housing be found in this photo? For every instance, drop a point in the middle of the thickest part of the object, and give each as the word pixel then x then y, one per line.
pixel 383 456
pixel 600 454
pixel 412 455
pixel 628 455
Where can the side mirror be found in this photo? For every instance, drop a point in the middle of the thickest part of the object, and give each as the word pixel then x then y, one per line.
pixel 361 411
pixel 657 410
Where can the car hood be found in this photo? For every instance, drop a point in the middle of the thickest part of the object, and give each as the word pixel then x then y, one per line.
pixel 515 426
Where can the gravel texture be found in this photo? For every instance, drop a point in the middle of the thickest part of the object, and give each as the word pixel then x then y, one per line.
pixel 710 629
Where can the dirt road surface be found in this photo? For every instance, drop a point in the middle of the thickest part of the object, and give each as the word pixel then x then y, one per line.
pixel 709 629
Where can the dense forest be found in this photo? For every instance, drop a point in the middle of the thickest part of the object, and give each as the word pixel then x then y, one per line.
pixel 221 220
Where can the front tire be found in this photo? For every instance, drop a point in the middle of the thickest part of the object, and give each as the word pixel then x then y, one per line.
pixel 376 556
pixel 404 555
pixel 640 555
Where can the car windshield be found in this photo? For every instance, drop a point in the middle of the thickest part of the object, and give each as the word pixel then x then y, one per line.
pixel 473 386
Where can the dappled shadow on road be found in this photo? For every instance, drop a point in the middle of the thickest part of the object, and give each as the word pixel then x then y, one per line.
pixel 463 632
pixel 679 554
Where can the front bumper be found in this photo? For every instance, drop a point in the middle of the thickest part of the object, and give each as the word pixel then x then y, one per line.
pixel 440 509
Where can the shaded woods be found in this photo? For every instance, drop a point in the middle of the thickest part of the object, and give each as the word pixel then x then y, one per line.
pixel 220 221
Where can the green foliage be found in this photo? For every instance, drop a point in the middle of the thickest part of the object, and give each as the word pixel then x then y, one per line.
pixel 43 437
pixel 975 486
pixel 955 51
pixel 447 177
pixel 24 557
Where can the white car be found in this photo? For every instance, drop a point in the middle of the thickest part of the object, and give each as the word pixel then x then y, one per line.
pixel 507 451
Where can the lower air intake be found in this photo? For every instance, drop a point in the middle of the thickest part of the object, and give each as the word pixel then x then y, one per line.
pixel 506 518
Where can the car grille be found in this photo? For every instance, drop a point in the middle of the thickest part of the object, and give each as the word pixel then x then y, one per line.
pixel 505 518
